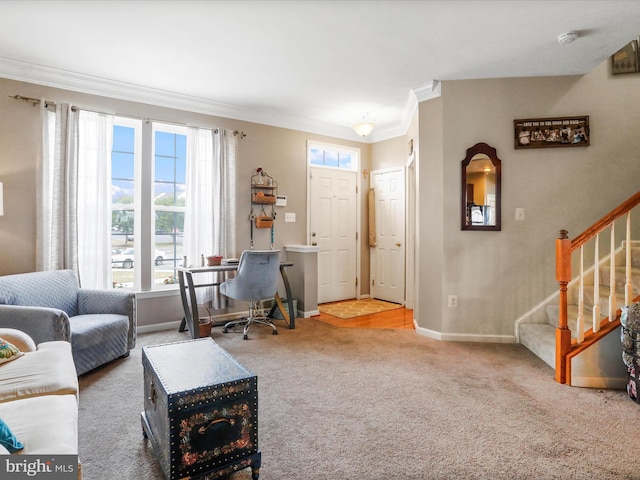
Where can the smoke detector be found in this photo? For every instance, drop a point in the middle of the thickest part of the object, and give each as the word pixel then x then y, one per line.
pixel 568 37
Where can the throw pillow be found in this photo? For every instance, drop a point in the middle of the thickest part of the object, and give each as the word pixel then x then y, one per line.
pixel 7 439
pixel 8 351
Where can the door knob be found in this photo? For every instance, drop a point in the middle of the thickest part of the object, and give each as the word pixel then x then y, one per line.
pixel 313 234
pixel 313 244
pixel 398 244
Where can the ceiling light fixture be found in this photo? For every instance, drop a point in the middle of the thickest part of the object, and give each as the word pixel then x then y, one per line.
pixel 364 127
pixel 568 37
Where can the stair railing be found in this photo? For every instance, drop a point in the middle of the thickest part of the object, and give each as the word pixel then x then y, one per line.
pixel 566 347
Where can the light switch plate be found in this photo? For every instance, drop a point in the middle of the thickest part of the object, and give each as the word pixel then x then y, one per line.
pixel 281 200
pixel 519 214
pixel 289 217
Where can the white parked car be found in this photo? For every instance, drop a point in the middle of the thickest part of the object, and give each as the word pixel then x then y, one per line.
pixel 124 259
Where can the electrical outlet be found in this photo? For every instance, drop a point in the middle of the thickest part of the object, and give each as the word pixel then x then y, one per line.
pixel 289 217
pixel 453 301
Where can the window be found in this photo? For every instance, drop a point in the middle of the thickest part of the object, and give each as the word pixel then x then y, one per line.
pixel 170 170
pixel 124 151
pixel 332 156
pixel 148 171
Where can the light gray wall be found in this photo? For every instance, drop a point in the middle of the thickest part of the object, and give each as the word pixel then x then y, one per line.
pixel 498 276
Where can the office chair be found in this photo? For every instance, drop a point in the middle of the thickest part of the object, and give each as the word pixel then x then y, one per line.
pixel 256 280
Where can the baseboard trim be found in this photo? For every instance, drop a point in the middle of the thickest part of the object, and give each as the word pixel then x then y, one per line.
pixel 309 314
pixel 463 337
pixel 156 327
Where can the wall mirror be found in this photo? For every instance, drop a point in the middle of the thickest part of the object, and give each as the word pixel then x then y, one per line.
pixel 481 189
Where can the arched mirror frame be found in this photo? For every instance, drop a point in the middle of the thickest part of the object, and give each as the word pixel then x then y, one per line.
pixel 490 152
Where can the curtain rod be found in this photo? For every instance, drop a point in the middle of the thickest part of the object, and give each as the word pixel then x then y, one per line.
pixel 32 101
pixel 36 101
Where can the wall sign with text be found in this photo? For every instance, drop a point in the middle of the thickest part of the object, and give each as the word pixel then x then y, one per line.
pixel 551 132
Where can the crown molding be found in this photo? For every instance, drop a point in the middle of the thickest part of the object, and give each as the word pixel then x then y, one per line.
pixel 428 91
pixel 57 78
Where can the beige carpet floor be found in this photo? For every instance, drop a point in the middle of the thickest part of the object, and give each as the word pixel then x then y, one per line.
pixel 340 404
pixel 357 308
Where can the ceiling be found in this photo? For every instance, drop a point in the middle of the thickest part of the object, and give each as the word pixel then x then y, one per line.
pixel 315 66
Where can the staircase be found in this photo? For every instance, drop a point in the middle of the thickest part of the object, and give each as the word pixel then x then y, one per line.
pixel 588 352
pixel 540 338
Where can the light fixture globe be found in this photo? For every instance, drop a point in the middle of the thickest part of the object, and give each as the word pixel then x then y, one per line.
pixel 364 127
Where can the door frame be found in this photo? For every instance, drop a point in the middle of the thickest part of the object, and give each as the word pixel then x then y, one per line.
pixel 358 226
pixel 410 232
pixel 372 254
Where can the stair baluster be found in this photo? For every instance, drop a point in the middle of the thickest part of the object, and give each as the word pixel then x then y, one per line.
pixel 613 302
pixel 596 286
pixel 580 319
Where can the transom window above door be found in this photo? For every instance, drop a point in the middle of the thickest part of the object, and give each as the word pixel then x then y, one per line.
pixel 335 156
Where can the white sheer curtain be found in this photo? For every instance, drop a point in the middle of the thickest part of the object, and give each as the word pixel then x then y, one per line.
pixel 94 194
pixel 209 225
pixel 74 194
pixel 56 227
pixel 224 213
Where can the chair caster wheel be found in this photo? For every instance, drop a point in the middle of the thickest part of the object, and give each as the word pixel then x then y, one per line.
pixel 246 337
pixel 275 332
pixel 224 330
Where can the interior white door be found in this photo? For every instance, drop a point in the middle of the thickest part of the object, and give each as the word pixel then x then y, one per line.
pixel 388 272
pixel 332 223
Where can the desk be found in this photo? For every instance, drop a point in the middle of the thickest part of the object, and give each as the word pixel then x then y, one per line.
pixel 190 304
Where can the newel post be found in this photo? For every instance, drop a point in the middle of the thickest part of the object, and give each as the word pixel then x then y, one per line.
pixel 563 334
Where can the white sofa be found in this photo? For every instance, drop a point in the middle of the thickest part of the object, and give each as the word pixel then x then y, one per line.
pixel 39 396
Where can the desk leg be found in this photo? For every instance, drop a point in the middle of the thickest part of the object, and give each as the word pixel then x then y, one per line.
pixel 185 303
pixel 287 287
pixel 191 319
pixel 194 325
pixel 279 305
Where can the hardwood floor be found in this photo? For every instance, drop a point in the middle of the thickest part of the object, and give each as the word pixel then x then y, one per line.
pixel 399 318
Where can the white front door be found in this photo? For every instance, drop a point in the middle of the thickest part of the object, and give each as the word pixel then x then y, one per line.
pixel 332 227
pixel 388 259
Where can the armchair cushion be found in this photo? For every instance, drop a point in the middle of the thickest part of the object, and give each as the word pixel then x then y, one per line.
pixel 98 339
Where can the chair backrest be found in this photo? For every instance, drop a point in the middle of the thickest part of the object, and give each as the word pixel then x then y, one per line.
pixel 257 277
pixel 52 288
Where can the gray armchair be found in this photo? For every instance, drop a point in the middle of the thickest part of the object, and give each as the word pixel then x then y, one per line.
pixel 100 324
